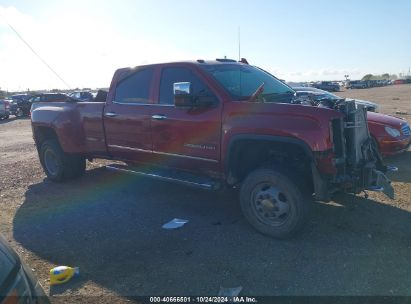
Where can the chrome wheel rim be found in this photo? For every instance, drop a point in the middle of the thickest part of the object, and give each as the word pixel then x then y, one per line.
pixel 270 205
pixel 51 162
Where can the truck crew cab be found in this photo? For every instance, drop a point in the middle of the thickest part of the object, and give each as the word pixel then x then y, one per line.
pixel 217 124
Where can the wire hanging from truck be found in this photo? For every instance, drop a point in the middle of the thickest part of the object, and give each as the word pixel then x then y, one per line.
pixel 34 52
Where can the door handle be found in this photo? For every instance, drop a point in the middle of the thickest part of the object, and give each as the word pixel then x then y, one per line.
pixel 110 114
pixel 159 117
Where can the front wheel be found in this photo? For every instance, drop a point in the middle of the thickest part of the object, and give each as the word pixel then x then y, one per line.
pixel 273 203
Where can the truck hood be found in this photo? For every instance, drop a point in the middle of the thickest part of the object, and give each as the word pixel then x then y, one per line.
pixel 366 103
pixel 385 119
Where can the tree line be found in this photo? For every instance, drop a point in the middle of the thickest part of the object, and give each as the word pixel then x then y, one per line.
pixel 380 77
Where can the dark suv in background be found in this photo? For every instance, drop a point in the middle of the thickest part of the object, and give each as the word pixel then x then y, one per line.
pixel 326 86
pixel 20 105
pixel 82 95
pixel 357 84
pixel 4 109
pixel 49 97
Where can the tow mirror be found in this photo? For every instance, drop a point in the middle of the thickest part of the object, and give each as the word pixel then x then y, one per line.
pixel 182 94
pixel 183 97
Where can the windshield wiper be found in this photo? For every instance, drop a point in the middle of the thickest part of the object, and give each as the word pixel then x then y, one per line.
pixel 257 92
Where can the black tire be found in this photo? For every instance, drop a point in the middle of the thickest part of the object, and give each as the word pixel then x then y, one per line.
pixel 19 112
pixel 281 222
pixel 59 165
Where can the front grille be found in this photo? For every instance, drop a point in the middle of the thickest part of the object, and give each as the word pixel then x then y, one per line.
pixel 405 129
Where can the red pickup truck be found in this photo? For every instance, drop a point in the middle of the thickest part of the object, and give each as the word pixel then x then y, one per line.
pixel 217 124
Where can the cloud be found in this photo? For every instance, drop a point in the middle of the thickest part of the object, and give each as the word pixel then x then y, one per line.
pixel 320 74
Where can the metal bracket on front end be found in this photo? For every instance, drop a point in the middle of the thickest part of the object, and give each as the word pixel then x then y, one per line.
pixel 383 184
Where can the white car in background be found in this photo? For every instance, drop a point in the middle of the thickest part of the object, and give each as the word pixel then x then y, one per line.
pixel 371 106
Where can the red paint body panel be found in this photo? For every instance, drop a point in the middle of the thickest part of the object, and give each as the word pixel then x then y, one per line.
pixel 308 124
pixel 131 129
pixel 78 126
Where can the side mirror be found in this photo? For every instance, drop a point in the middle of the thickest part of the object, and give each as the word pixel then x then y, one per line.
pixel 183 97
pixel 182 94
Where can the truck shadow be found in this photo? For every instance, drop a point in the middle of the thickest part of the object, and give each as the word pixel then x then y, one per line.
pixel 402 161
pixel 109 225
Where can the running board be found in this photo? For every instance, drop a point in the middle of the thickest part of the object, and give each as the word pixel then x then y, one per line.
pixel 170 176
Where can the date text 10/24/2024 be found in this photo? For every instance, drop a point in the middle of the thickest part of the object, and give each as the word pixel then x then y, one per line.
pixel 236 299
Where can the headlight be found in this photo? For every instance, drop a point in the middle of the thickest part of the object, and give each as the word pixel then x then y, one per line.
pixel 391 131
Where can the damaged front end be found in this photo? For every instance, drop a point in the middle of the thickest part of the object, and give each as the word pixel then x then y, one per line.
pixel 357 159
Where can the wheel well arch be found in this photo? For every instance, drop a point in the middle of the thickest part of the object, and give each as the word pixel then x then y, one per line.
pixel 43 133
pixel 247 152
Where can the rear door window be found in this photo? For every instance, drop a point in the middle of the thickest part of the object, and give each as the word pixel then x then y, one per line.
pixel 135 88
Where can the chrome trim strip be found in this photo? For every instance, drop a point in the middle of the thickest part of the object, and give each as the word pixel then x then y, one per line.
pixel 163 153
pixel 142 104
pixel 93 139
pixel 156 176
pixel 187 156
pixel 159 117
pixel 129 148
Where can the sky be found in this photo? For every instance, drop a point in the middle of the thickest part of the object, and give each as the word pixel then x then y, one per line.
pixel 86 41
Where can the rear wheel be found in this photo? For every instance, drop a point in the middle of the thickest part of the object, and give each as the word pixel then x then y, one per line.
pixel 273 203
pixel 19 112
pixel 58 165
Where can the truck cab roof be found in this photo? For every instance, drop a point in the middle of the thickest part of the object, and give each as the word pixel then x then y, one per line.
pixel 197 62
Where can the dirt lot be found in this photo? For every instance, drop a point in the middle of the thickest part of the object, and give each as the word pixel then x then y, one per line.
pixel 110 226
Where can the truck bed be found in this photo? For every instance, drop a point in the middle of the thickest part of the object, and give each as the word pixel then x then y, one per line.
pixel 79 125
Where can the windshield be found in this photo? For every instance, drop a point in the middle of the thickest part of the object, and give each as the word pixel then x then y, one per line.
pixel 242 81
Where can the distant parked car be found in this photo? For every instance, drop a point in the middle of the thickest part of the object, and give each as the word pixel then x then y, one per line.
pixel 82 95
pixel 357 84
pixel 4 109
pixel 399 81
pixel 308 94
pixel 17 282
pixel 20 97
pixel 327 86
pixel 101 96
pixel 49 97
pixel 20 107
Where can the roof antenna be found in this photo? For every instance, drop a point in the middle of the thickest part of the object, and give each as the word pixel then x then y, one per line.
pixel 239 44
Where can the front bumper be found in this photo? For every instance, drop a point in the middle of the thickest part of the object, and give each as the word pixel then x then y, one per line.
pixel 358 162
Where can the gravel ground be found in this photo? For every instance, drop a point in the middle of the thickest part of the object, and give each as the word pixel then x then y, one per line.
pixel 110 226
